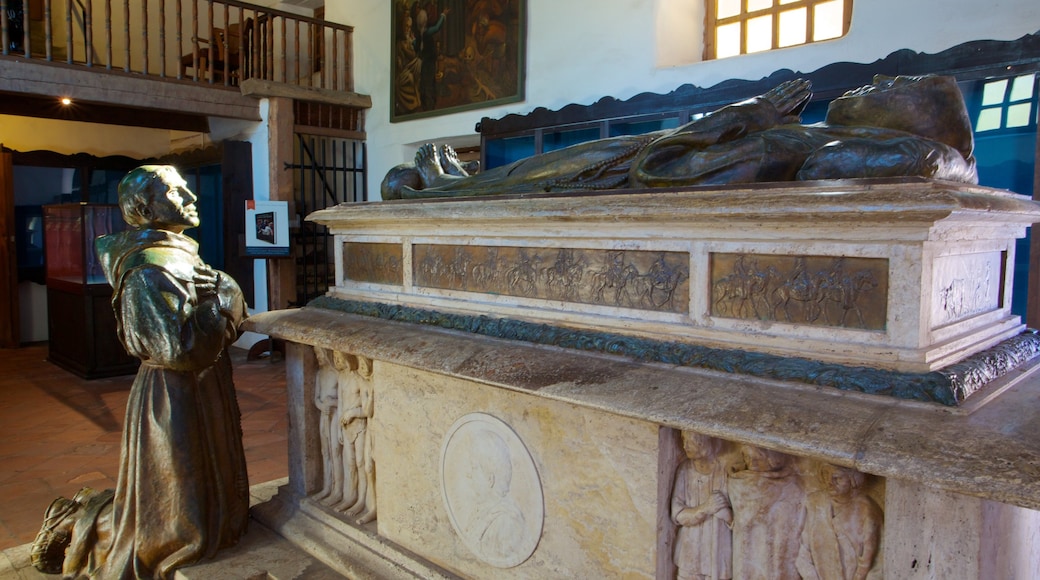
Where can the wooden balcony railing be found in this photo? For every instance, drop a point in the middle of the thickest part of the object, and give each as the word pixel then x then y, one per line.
pixel 219 42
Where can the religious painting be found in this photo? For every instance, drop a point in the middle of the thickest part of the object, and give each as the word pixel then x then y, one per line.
pixel 455 55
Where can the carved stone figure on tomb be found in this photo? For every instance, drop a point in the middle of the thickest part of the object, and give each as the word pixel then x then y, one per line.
pixel 700 507
pixel 767 500
pixel 355 428
pixel 901 126
pixel 326 399
pixel 842 528
pixel 182 491
pixel 348 428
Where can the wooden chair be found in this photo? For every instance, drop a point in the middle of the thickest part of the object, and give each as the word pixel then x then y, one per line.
pixel 223 63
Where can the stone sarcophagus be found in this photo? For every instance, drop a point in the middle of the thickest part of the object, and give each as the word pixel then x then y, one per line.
pixel 801 380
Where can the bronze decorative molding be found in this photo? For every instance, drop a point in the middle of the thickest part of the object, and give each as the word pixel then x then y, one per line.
pixel 949 386
pixel 378 263
pixel 644 280
pixel 817 290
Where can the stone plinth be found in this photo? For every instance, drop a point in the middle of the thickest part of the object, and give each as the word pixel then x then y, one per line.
pixel 602 433
pixel 635 385
pixel 910 275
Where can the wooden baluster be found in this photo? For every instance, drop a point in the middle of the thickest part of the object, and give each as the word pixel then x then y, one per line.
pixel 269 44
pixel 179 10
pixel 88 32
pixel 348 60
pixel 25 29
pixel 319 35
pixel 68 32
pixel 162 38
pixel 3 27
pixel 241 64
pixel 48 32
pixel 255 65
pixel 284 60
pixel 296 47
pixel 212 44
pixel 144 35
pixel 335 59
pixel 108 33
pixel 126 35
pixel 225 54
pixel 195 41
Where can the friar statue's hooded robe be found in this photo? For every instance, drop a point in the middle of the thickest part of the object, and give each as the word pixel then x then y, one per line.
pixel 182 492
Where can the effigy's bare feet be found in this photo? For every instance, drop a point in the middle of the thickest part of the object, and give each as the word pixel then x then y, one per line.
pixel 428 163
pixel 790 98
pixel 450 162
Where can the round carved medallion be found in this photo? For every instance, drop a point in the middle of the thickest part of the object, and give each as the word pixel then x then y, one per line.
pixel 491 490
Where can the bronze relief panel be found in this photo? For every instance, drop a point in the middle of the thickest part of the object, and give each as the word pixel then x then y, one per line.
pixel 379 263
pixel 646 280
pixel 819 290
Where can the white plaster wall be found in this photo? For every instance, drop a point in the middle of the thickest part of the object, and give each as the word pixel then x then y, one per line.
pixel 581 50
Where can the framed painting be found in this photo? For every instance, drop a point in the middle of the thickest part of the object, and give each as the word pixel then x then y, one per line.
pixel 455 55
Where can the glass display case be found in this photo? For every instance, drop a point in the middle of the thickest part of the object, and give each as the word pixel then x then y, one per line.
pixel 81 323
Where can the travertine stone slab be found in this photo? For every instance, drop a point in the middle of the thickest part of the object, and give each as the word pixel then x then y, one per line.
pixel 597 475
pixel 991 452
pixel 887 278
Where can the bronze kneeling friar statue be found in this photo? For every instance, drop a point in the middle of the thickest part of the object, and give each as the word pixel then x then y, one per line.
pixel 182 491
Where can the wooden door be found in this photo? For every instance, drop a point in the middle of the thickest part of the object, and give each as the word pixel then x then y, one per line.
pixel 9 321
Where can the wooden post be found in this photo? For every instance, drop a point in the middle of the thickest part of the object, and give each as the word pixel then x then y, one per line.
pixel 9 321
pixel 281 274
pixel 1033 292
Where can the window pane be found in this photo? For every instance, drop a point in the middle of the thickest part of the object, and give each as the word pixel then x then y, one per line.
pixel 727 8
pixel 1021 89
pixel 641 127
pixel 560 139
pixel 993 92
pixel 782 2
pixel 727 40
pixel 759 34
pixel 828 21
pixel 989 119
pixel 502 151
pixel 756 5
pixel 792 27
pixel 1018 115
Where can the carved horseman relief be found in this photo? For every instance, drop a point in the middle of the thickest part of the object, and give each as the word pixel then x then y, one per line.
pixel 752 513
pixel 964 286
pixel 818 290
pixel 643 280
pixel 344 395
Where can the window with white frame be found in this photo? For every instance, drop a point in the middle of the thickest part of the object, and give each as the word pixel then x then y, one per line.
pixel 735 27
pixel 1007 103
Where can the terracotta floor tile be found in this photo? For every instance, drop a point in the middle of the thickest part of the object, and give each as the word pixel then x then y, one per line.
pixel 59 433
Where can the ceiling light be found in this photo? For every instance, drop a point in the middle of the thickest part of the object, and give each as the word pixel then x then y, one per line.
pixel 66 101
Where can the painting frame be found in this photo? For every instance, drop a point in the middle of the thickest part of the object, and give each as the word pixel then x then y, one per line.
pixel 479 47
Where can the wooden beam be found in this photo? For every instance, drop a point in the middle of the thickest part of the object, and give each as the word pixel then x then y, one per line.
pixel 118 89
pixel 260 89
pixel 103 113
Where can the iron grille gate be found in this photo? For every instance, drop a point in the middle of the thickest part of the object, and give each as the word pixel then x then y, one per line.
pixel 327 171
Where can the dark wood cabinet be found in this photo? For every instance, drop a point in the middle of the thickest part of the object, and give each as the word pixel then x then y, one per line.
pixel 81 323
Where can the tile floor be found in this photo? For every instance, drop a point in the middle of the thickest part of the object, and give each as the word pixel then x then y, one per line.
pixel 59 433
